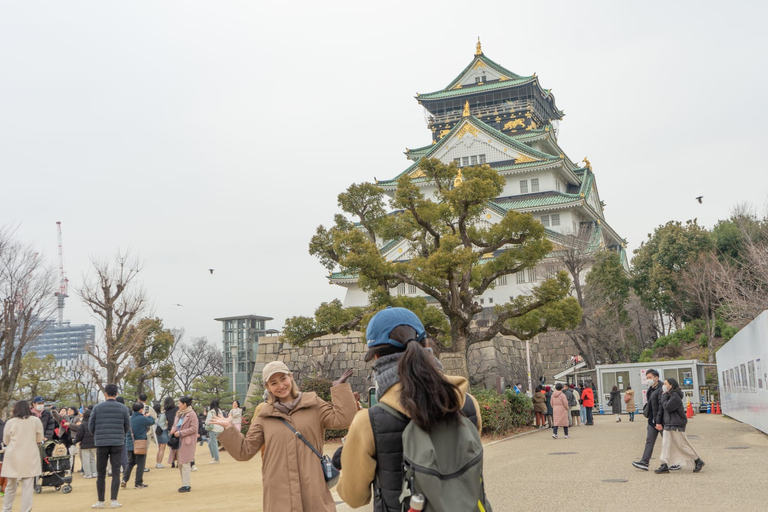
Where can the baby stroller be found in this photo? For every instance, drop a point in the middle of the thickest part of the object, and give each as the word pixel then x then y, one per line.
pixel 57 468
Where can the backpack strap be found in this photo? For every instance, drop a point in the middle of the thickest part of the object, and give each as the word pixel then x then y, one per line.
pixel 469 409
pixel 394 412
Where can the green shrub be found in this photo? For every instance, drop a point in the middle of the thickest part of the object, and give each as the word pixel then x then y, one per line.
pixel 502 413
pixel 729 332
pixel 702 340
pixel 521 408
pixel 646 356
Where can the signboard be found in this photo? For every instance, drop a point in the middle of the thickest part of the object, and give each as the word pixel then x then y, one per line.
pixel 688 382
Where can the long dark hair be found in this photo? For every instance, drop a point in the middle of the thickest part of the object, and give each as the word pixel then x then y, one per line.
pixel 673 382
pixel 169 403
pixel 21 410
pixel 215 406
pixel 426 395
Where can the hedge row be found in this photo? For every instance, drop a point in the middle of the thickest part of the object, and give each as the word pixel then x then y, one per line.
pixel 503 413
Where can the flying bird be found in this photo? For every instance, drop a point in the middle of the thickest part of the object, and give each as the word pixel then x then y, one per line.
pixel 210 270
pixel 181 305
pixel 699 199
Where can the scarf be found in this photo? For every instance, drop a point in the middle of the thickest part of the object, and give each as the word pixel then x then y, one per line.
pixel 186 411
pixel 287 407
pixel 385 371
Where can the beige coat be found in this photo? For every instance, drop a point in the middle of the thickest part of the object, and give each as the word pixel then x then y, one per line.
pixel 631 404
pixel 358 459
pixel 22 438
pixel 188 435
pixel 292 477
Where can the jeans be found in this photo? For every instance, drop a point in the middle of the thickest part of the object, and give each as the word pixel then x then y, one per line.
pixel 138 461
pixel 27 489
pixel 114 454
pixel 213 444
pixel 631 416
pixel 89 461
pixel 650 441
pixel 554 430
pixel 589 415
pixel 583 414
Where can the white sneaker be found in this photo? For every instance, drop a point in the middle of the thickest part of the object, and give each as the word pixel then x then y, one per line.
pixel 554 436
pixel 116 504
pixel 98 504
pixel 567 437
pixel 214 462
pixel 194 468
pixel 159 466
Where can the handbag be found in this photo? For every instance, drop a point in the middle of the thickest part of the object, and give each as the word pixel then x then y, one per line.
pixel 647 410
pixel 330 473
pixel 140 446
pixel 173 443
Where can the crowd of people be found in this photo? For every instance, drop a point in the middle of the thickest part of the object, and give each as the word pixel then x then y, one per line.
pixel 379 456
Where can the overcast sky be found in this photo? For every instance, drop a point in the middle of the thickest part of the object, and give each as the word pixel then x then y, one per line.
pixel 218 134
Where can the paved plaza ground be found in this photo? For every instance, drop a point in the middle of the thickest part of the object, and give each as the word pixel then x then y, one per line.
pixel 590 471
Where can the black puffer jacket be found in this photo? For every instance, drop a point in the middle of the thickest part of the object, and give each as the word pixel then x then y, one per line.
pixel 109 423
pixel 674 410
pixel 657 413
pixel 84 435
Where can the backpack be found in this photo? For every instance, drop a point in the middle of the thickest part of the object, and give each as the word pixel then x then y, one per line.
pixel 571 399
pixel 445 465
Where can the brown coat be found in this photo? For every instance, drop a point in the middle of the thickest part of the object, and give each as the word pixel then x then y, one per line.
pixel 631 404
pixel 560 409
pixel 358 459
pixel 188 438
pixel 539 402
pixel 292 478
pixel 22 454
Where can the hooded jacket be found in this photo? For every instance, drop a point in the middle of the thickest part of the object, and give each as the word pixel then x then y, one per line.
pixel 630 401
pixel 539 402
pixel 358 459
pixel 560 409
pixel 46 418
pixel 588 396
pixel 673 410
pixel 292 478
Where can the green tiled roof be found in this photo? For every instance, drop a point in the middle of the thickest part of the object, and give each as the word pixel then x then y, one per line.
pixel 492 132
pixel 546 198
pixel 418 152
pixel 469 89
pixel 488 62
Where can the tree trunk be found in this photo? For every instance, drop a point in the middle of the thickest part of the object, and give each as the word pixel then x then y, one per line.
pixel 460 342
pixel 711 336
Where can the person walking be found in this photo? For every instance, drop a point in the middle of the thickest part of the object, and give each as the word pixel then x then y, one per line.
pixel 573 402
pixel 109 422
pixel 629 401
pixel 676 450
pixel 141 421
pixel 22 436
pixel 214 430
pixel 560 411
pixel 588 396
pixel 169 411
pixel 237 415
pixel 84 438
pixel 540 406
pixel 651 411
pixel 44 415
pixel 185 429
pixel 409 380
pixel 615 403
pixel 548 396
pixel 291 473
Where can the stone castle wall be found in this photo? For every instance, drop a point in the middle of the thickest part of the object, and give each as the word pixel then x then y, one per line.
pixel 329 356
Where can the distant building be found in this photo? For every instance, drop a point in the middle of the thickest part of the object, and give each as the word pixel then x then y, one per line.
pixel 66 342
pixel 242 332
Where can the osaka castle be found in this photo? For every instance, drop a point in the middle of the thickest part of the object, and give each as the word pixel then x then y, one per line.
pixel 490 115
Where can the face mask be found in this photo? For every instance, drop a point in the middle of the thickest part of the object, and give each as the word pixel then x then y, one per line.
pixel 664 388
pixel 650 382
pixel 39 407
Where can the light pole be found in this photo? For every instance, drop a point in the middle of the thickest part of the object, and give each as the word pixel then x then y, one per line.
pixel 233 352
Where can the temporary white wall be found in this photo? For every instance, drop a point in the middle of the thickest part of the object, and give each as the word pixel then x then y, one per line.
pixel 742 365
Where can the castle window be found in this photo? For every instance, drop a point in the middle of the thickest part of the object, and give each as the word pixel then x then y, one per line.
pixel 465 161
pixel 545 220
pixel 534 184
pixel 480 79
pixel 401 289
pixel 481 159
pixel 411 289
pixel 551 271
pixel 523 186
pixel 557 185
pixel 555 219
pixel 457 161
pixel 520 277
pixel 501 281
pixel 482 301
pixel 532 275
pixel 490 300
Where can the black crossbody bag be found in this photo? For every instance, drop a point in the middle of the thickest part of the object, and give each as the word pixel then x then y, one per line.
pixel 330 473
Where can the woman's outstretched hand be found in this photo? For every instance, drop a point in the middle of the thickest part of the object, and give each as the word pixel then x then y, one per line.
pixel 347 374
pixel 221 421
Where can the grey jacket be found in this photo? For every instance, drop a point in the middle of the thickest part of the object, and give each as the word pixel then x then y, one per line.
pixel 109 423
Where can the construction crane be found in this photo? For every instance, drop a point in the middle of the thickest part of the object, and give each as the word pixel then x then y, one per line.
pixel 64 282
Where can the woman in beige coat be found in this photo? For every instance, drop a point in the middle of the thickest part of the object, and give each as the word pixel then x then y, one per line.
pixel 292 477
pixel 629 400
pixel 22 436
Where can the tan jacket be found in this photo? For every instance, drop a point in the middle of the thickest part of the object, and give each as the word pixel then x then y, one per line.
pixel 358 459
pixel 292 476
pixel 631 404
pixel 22 438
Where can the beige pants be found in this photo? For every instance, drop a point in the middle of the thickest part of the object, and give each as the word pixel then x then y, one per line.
pixel 676 449
pixel 186 474
pixel 27 489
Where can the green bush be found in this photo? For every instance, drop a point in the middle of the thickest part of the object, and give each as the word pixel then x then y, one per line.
pixel 702 340
pixel 729 332
pixel 522 408
pixel 646 356
pixel 502 413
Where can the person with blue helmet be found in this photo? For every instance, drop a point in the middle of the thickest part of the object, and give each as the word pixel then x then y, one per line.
pixel 409 379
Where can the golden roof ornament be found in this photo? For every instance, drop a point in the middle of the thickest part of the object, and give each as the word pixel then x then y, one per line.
pixel 478 48
pixel 588 165
pixel 458 180
pixel 466 110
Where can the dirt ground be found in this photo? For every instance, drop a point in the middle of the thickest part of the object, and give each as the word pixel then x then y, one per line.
pixel 214 487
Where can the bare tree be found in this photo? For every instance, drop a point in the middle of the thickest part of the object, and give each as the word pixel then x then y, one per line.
pixel 699 283
pixel 117 300
pixel 197 359
pixel 26 302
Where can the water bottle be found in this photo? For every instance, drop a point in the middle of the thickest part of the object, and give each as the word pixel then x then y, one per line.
pixel 328 467
pixel 417 503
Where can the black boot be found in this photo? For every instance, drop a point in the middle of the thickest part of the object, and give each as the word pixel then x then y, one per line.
pixel 699 465
pixel 662 469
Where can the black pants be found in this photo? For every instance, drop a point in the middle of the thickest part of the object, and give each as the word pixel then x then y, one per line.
pixel 114 454
pixel 138 461
pixel 650 440
pixel 589 415
pixel 554 430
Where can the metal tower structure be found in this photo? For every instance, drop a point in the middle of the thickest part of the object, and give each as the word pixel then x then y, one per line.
pixel 64 282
